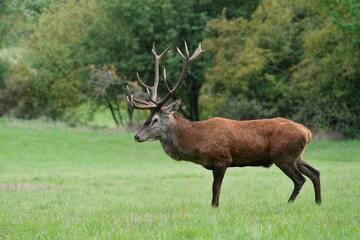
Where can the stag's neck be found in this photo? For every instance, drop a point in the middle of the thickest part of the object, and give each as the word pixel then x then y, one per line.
pixel 179 141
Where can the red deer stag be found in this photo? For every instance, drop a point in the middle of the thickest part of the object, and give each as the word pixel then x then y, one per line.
pixel 219 143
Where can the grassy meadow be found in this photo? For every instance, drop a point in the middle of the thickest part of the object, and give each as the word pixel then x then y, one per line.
pixel 74 183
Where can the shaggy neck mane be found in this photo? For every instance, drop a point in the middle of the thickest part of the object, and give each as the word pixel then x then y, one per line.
pixel 178 142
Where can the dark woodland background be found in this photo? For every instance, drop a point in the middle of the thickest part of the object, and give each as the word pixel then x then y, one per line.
pixel 68 59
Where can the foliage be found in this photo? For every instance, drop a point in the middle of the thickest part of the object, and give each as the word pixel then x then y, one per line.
pixel 332 60
pixel 296 59
pixel 4 66
pixel 289 60
pixel 255 56
pixel 15 91
pixel 8 18
pixel 347 17
pixel 56 54
pixel 17 18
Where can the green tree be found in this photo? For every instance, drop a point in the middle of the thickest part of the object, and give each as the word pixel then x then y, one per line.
pixel 332 50
pixel 8 19
pixel 296 59
pixel 254 59
pixel 58 60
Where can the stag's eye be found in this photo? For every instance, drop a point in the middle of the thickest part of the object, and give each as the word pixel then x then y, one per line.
pixel 155 120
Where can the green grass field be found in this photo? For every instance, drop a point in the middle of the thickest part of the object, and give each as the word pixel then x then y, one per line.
pixel 63 183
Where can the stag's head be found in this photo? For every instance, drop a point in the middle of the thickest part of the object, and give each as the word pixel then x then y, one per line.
pixel 157 124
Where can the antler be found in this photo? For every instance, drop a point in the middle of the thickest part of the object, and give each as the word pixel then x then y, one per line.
pixel 152 91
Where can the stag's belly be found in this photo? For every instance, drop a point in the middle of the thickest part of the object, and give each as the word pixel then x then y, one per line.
pixel 251 150
pixel 250 157
pixel 255 162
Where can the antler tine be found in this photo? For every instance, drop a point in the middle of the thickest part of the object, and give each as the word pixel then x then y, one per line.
pixel 180 53
pixel 129 102
pixel 157 58
pixel 166 83
pixel 132 98
pixel 133 101
pixel 186 49
pixel 156 81
pixel 141 82
pixel 187 54
pixel 134 105
pixel 148 92
pixel 197 52
pixel 153 50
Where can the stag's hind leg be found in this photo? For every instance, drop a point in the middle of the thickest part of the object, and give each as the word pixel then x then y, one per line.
pixel 294 174
pixel 218 174
pixel 314 176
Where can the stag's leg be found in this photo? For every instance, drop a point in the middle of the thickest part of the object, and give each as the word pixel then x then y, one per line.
pixel 314 176
pixel 218 174
pixel 294 174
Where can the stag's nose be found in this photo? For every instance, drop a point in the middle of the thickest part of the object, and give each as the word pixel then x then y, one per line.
pixel 136 138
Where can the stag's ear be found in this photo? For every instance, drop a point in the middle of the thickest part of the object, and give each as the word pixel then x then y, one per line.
pixel 173 107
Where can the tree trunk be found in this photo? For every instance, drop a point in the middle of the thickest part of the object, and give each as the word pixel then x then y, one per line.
pixel 130 113
pixel 113 114
pixel 193 97
pixel 119 113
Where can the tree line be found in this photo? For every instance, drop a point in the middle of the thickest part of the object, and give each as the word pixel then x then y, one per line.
pixel 266 58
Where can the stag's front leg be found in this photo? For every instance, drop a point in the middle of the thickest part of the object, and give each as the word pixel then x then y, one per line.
pixel 218 174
